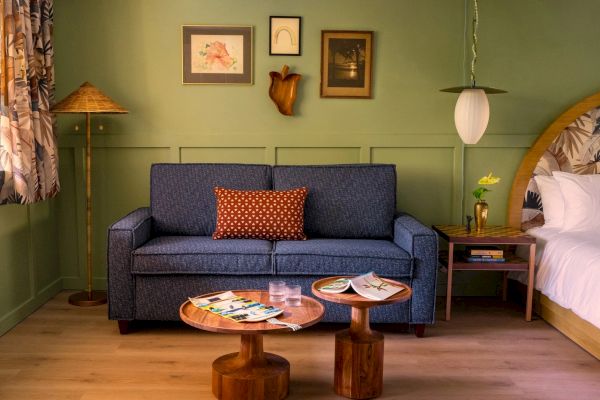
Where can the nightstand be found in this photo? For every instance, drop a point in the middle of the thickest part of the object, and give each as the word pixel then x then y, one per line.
pixel 491 235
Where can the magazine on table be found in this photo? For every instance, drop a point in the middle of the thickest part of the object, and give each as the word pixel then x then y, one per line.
pixel 236 308
pixel 368 285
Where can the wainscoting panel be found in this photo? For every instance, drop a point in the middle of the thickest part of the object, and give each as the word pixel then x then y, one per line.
pixel 503 162
pixel 317 155
pixel 15 250
pixel 70 210
pixel 43 223
pixel 423 175
pixel 123 184
pixel 120 183
pixel 245 155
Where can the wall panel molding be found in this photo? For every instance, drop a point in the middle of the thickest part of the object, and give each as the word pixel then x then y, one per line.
pixel 291 140
pixel 252 140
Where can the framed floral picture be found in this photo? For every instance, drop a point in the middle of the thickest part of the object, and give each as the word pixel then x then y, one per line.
pixel 346 64
pixel 217 54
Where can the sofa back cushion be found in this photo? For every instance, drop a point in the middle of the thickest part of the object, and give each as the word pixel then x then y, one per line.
pixel 182 200
pixel 344 201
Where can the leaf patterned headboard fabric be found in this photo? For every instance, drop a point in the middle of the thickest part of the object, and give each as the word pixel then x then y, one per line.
pixel 576 150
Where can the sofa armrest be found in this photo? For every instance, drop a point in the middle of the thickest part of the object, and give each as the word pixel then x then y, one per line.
pixel 421 243
pixel 124 236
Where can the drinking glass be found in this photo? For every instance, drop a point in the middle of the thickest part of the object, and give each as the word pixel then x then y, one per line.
pixel 293 295
pixel 277 291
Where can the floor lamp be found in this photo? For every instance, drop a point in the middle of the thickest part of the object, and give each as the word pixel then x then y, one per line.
pixel 87 100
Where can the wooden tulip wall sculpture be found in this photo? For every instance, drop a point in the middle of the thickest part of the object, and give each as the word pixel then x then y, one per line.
pixel 283 90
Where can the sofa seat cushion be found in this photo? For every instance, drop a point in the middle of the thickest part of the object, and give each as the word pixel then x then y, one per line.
pixel 326 257
pixel 203 255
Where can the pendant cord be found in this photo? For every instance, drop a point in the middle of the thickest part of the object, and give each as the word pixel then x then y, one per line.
pixel 465 36
pixel 474 46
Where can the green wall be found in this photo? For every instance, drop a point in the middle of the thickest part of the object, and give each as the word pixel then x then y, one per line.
pixel 542 51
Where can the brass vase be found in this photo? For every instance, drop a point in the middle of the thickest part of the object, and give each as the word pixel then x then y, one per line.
pixel 481 215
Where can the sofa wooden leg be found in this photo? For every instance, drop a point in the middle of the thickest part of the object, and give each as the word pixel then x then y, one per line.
pixel 419 330
pixel 124 326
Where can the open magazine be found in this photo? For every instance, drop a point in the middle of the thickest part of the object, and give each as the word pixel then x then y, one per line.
pixel 236 308
pixel 368 285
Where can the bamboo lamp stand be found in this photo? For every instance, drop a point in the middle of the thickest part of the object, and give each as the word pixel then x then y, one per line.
pixel 88 99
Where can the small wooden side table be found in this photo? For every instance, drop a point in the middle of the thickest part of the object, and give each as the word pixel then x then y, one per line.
pixel 359 350
pixel 490 235
pixel 251 374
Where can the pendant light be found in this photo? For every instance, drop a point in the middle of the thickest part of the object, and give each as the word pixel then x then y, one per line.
pixel 472 111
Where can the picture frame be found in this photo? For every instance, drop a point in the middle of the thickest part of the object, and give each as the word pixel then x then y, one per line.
pixel 346 64
pixel 217 54
pixel 285 36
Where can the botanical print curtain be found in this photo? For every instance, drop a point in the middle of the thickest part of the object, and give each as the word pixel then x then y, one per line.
pixel 28 145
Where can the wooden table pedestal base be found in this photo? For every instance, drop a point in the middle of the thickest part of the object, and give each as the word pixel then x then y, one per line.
pixel 250 374
pixel 359 359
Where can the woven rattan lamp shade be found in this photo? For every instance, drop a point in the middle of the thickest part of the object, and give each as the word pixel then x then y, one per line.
pixel 88 99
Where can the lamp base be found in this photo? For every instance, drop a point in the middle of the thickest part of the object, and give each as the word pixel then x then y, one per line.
pixel 88 299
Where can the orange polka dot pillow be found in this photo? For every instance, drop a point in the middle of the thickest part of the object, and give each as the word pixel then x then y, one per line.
pixel 260 214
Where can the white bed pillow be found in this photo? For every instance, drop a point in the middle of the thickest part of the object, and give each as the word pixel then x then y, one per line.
pixel 552 201
pixel 581 194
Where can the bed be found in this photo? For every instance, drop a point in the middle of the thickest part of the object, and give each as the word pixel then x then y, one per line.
pixel 568 260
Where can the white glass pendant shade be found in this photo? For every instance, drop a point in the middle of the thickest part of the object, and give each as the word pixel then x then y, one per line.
pixel 471 115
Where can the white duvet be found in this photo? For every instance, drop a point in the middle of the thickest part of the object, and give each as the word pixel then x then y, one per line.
pixel 568 270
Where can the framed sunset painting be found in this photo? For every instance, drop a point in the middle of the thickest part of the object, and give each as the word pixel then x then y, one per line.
pixel 346 64
pixel 217 54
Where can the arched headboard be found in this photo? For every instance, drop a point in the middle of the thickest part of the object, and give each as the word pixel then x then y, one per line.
pixel 571 143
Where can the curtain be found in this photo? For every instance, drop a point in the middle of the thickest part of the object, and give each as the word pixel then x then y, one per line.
pixel 28 145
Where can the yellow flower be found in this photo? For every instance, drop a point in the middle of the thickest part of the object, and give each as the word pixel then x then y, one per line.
pixel 489 180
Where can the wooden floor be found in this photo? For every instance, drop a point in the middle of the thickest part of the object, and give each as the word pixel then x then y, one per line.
pixel 67 353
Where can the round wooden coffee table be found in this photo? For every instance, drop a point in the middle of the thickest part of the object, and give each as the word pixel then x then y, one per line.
pixel 359 350
pixel 251 373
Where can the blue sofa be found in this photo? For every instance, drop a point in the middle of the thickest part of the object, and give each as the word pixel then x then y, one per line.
pixel 160 255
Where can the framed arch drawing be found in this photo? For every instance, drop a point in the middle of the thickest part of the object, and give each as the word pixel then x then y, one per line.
pixel 285 36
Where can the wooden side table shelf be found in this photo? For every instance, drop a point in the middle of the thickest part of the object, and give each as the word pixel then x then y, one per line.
pixel 491 235
pixel 358 370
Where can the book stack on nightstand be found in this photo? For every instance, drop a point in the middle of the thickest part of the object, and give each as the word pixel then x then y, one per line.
pixel 484 254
